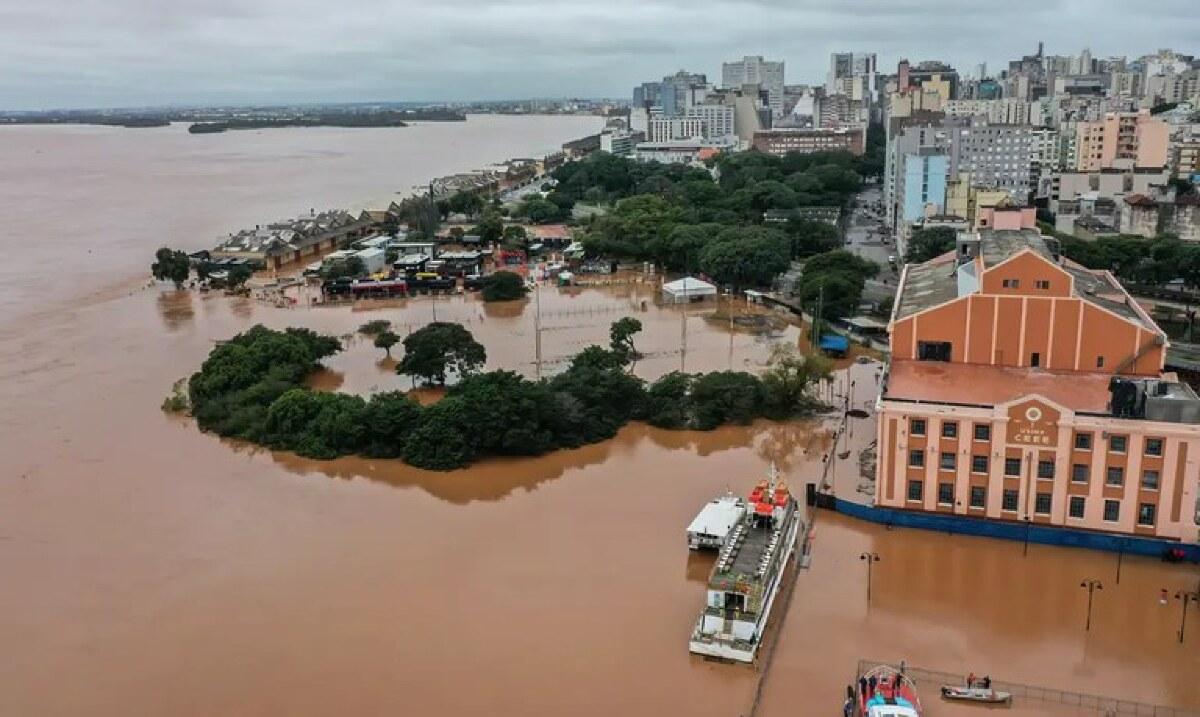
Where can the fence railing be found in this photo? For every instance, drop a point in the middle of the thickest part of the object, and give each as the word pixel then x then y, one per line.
pixel 929 682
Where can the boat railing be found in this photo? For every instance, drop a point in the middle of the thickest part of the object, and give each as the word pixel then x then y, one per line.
pixel 929 680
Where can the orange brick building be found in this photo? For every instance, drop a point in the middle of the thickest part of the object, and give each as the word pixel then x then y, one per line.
pixel 1025 387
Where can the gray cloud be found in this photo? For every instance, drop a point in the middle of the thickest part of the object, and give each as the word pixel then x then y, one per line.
pixel 80 53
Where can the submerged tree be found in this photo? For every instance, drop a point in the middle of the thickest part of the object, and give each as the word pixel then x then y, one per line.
pixel 438 348
pixel 502 286
pixel 620 335
pixel 171 265
pixel 786 384
pixel 386 340
pixel 238 276
pixel 375 327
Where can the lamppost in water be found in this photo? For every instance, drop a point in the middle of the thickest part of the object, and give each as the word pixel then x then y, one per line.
pixel 869 558
pixel 1184 597
pixel 1028 520
pixel 1092 586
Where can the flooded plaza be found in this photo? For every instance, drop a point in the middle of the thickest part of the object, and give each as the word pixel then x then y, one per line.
pixel 153 567
pixel 150 568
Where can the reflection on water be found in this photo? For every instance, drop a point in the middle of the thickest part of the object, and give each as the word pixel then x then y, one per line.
pixel 242 307
pixel 325 380
pixel 175 308
pixel 490 480
pixel 497 478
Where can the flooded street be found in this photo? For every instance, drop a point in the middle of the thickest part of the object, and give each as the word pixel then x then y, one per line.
pixel 149 568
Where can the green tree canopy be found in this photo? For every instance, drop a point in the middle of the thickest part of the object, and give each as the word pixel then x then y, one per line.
pixel 502 286
pixel 386 340
pixel 440 348
pixel 725 397
pixel 171 265
pixel 375 327
pixel 746 257
pixel 836 280
pixel 468 203
pixel 926 244
pixel 788 382
pixel 540 211
pixel 621 334
pixel 237 276
pixel 515 237
pixel 491 226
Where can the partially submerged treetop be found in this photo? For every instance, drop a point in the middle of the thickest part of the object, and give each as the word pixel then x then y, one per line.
pixel 438 348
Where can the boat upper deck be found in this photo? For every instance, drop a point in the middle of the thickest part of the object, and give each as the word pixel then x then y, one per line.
pixel 750 555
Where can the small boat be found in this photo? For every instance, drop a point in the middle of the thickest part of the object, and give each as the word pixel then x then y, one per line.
pixel 976 693
pixel 888 692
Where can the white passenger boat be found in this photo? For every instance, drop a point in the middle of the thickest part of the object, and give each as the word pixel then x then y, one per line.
pixel 747 576
pixel 715 521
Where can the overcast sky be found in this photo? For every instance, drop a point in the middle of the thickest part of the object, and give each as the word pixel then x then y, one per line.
pixel 85 53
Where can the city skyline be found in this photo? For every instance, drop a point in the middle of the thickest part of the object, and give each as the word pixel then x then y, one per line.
pixel 133 54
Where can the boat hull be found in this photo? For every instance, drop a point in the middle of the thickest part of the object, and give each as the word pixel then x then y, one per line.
pixel 726 648
pixel 964 694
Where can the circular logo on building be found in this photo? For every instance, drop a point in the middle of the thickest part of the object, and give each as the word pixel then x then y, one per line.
pixel 1033 414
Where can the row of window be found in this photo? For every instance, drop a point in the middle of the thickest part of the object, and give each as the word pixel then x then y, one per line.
pixel 1083 440
pixel 1016 284
pixel 1042 502
pixel 1080 472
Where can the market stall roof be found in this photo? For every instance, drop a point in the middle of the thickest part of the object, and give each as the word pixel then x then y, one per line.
pixel 689 285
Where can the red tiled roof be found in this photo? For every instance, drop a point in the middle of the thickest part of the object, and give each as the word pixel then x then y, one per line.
pixel 977 384
pixel 1140 200
pixel 550 231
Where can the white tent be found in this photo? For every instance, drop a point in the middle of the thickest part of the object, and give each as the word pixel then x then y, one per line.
pixel 687 289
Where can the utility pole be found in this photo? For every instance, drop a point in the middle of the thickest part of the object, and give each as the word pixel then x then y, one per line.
pixel 683 328
pixel 537 330
pixel 815 338
pixel 1092 586
pixel 870 558
pixel 731 300
pixel 1120 556
pixel 1184 597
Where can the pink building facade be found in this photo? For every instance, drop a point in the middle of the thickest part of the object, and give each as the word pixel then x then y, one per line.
pixel 1025 388
pixel 1133 139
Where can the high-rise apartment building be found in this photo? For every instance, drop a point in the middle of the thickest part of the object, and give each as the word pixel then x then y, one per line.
pixel 1002 111
pixel 718 119
pixel 673 95
pixel 666 129
pixel 754 70
pixel 998 156
pixel 854 75
pixel 1122 139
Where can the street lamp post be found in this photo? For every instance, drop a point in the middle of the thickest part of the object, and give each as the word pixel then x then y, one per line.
pixel 1092 586
pixel 869 558
pixel 1025 550
pixel 1184 597
pixel 1120 557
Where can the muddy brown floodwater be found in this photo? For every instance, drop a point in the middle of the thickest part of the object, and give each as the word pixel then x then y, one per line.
pixel 148 568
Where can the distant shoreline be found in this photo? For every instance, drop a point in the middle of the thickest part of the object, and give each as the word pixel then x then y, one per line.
pixel 210 123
